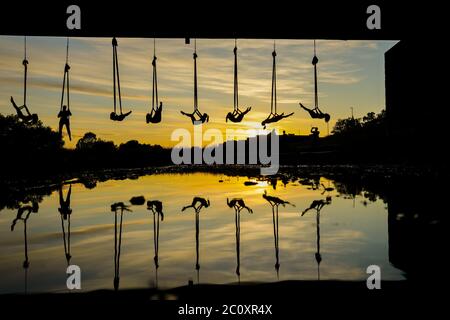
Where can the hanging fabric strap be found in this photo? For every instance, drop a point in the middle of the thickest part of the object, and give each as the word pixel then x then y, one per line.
pixel 314 62
pixel 66 242
pixel 66 79
pixel 236 89
pixel 25 64
pixel 155 100
pixel 116 76
pixel 156 236
pixel 195 76
pixel 273 99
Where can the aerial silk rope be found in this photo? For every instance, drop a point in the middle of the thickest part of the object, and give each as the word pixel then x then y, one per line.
pixel 25 64
pixel 195 76
pixel 116 75
pixel 273 99
pixel 66 243
pixel 238 242
pixel 236 94
pixel 66 80
pixel 155 100
pixel 114 72
pixel 314 62
pixel 117 247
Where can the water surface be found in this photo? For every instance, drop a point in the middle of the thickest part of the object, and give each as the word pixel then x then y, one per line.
pixel 337 239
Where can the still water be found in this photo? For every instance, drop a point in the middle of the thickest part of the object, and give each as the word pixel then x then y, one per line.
pixel 250 242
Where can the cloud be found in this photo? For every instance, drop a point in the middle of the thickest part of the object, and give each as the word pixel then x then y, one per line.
pixel 344 66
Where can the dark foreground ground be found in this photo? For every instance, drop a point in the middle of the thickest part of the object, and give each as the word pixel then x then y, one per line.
pixel 288 300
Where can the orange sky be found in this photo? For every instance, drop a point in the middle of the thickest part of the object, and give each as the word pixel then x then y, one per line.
pixel 351 74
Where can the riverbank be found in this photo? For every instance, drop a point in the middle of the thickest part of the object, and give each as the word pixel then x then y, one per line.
pixel 90 177
pixel 381 178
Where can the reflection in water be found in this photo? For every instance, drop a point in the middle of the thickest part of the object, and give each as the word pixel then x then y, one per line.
pixel 317 205
pixel 197 204
pixel 33 208
pixel 275 202
pixel 238 204
pixel 326 189
pixel 116 207
pixel 65 213
pixel 396 223
pixel 156 207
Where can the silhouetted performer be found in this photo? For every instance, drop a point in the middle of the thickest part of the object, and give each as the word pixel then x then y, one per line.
pixel 275 202
pixel 65 209
pixel 26 118
pixel 63 116
pixel 326 189
pixel 116 81
pixel 156 207
pixel 155 115
pixel 237 115
pixel 318 205
pixel 197 204
pixel 315 113
pixel 33 208
pixel 238 204
pixel 196 116
pixel 65 212
pixel 115 207
pixel 315 132
pixel 274 117
pixel 119 117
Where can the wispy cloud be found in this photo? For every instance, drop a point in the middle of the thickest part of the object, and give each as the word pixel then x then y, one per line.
pixel 344 66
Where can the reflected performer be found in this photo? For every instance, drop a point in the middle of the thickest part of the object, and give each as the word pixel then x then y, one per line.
pixel 65 213
pixel 25 210
pixel 156 207
pixel 118 208
pixel 326 189
pixel 197 204
pixel 238 204
pixel 318 206
pixel 275 202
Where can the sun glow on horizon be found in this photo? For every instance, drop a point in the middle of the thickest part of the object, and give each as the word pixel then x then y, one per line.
pixel 350 74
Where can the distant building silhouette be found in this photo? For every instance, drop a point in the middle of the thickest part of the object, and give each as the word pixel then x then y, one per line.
pixel 415 108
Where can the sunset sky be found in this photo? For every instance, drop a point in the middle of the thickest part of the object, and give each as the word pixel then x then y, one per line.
pixel 351 74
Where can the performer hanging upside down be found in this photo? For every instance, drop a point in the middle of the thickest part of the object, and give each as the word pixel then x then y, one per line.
pixel 237 115
pixel 155 115
pixel 26 118
pixel 316 113
pixel 273 117
pixel 119 117
pixel 202 117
